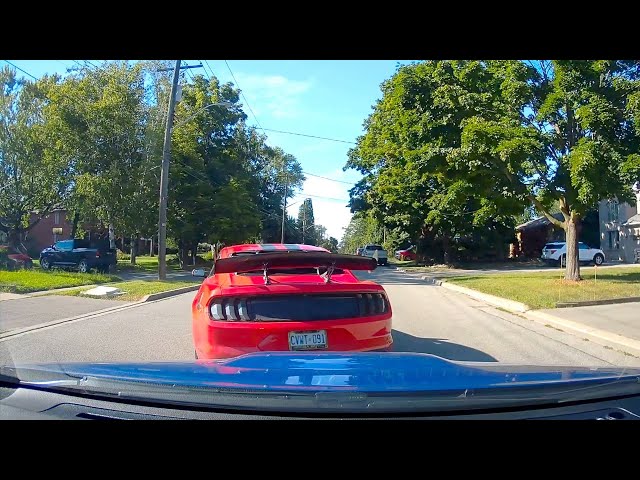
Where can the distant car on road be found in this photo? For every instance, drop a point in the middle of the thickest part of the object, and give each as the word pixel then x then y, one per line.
pixel 376 252
pixel 78 254
pixel 406 254
pixel 556 252
pixel 288 297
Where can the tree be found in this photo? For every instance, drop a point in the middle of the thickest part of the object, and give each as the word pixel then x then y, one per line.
pixel 363 228
pixel 98 126
pixel 32 178
pixel 490 137
pixel 210 196
pixel 271 170
pixel 306 223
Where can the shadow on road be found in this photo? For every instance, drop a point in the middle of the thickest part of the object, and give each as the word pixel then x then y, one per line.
pixel 403 342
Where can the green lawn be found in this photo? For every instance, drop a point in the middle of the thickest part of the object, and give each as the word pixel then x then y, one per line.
pixel 148 264
pixel 135 289
pixel 545 289
pixel 24 281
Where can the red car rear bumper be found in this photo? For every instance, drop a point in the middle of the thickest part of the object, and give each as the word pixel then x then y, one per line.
pixel 219 339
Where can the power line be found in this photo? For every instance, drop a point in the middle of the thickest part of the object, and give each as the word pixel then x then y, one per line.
pixel 320 196
pixel 242 93
pixel 306 135
pixel 188 72
pixel 18 68
pixel 210 69
pixel 327 178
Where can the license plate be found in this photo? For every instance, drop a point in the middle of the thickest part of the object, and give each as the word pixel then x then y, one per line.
pixel 310 340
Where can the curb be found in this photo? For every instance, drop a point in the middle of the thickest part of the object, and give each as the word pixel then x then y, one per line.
pixel 169 293
pixel 485 297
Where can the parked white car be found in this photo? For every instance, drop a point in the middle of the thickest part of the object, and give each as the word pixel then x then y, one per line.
pixel 377 252
pixel 556 252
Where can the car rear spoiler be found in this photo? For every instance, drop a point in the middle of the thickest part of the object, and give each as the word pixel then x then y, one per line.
pixel 272 260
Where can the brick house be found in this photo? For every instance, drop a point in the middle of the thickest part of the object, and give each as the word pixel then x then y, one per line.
pixel 41 235
pixel 533 235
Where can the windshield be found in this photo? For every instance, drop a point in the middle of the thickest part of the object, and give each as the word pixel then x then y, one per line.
pixel 342 224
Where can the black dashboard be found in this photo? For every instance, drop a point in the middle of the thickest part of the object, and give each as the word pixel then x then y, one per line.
pixel 38 404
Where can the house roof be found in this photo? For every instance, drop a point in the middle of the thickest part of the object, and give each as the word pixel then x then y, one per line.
pixel 538 222
pixel 635 220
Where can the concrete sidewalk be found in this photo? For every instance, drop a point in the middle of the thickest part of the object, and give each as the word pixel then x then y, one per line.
pixel 175 275
pixel 621 319
pixel 29 311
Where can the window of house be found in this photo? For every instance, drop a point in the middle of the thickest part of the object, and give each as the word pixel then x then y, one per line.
pixel 56 218
pixel 613 211
pixel 614 240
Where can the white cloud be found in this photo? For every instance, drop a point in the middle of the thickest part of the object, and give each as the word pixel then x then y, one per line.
pixel 274 95
pixel 332 214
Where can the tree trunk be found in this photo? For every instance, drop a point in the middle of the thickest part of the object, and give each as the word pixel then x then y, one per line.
pixel 181 253
pixel 571 234
pixel 112 237
pixel 74 225
pixel 151 247
pixel 134 248
pixel 446 248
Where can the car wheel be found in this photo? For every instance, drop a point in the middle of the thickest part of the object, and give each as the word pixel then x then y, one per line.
pixel 562 261
pixel 83 266
pixel 44 263
pixel 598 259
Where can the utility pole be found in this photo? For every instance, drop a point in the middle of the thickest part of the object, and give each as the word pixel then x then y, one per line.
pixel 284 206
pixel 164 179
pixel 164 176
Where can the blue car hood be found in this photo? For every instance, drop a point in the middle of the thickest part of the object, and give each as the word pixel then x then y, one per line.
pixel 313 372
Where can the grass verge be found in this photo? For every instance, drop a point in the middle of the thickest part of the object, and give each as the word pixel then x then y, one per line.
pixel 25 281
pixel 545 289
pixel 135 289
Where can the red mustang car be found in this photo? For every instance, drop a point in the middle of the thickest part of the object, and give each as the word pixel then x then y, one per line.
pixel 282 297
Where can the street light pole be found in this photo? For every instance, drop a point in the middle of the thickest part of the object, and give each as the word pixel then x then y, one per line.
pixel 164 179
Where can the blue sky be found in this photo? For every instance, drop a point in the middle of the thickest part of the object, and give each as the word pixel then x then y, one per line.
pixel 326 98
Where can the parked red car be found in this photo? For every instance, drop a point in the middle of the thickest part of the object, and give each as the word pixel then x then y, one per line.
pixel 282 297
pixel 13 259
pixel 406 254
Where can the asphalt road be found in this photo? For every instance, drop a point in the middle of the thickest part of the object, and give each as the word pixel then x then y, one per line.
pixel 427 319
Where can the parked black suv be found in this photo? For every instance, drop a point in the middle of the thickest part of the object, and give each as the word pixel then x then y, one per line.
pixel 79 254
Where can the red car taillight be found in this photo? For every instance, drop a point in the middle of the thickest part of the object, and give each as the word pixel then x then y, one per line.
pixel 298 307
pixel 229 309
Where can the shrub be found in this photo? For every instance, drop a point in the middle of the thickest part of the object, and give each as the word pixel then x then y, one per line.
pixel 120 255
